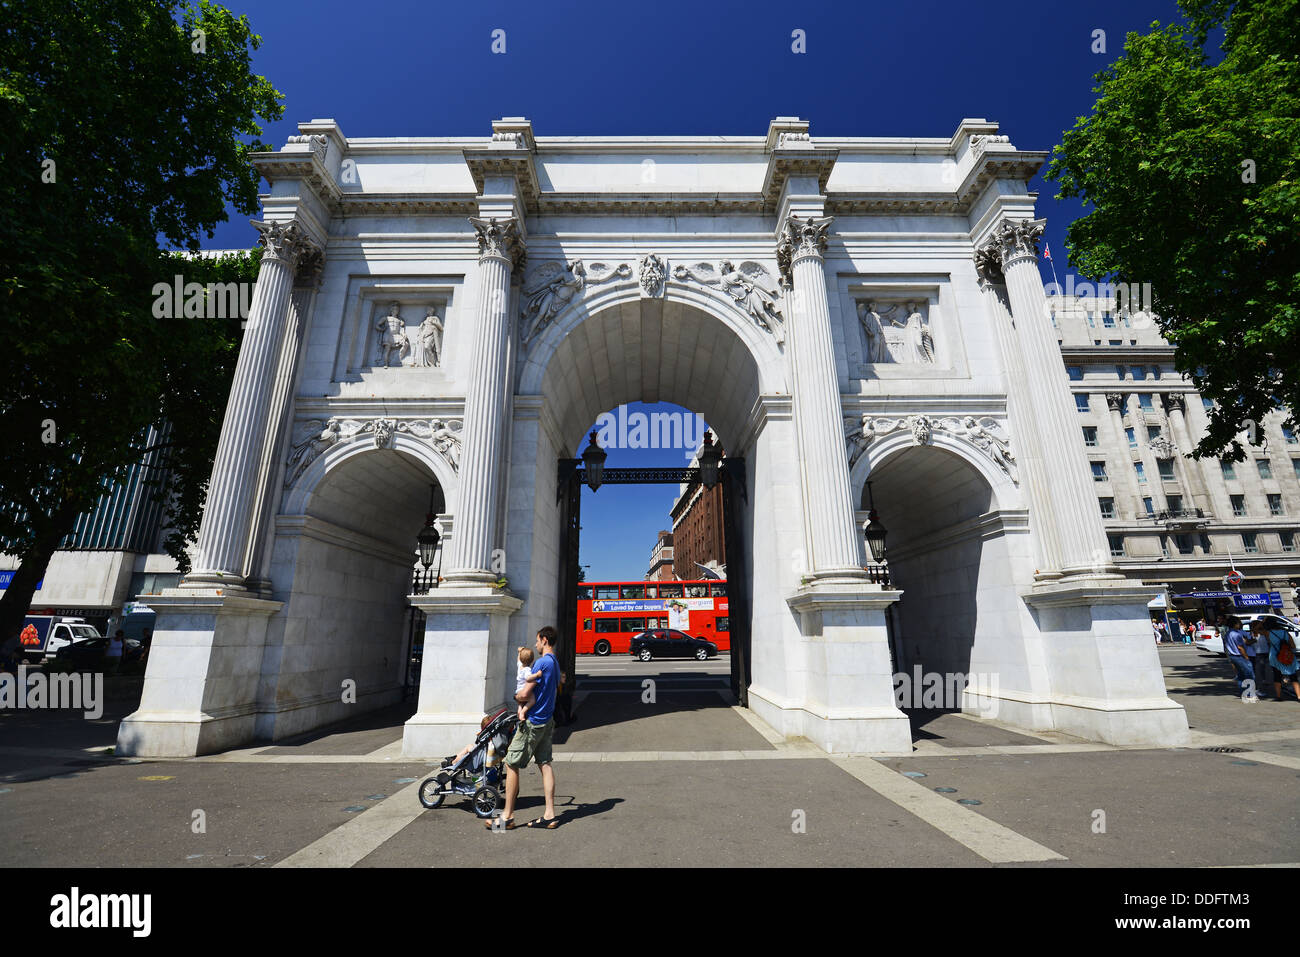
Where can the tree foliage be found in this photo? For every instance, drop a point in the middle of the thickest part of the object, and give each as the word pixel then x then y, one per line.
pixel 1190 169
pixel 125 125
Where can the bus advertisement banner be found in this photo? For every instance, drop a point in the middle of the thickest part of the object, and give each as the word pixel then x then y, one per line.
pixel 652 604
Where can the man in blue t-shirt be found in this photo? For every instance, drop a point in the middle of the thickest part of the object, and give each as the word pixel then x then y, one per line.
pixel 532 740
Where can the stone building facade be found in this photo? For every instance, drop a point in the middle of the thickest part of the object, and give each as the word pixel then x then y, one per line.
pixel 661 558
pixel 698 534
pixel 443 319
pixel 1171 519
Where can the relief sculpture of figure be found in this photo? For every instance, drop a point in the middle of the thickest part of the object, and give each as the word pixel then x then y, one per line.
pixel 558 286
pixel 995 447
pixel 858 434
pixel 446 440
pixel 919 341
pixel 428 341
pixel 306 452
pixel 393 342
pixel 877 347
pixel 753 290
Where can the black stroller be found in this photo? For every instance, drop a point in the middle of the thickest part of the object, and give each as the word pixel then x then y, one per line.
pixel 472 775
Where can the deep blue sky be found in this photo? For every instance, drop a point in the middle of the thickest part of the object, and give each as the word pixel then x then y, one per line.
pixel 424 68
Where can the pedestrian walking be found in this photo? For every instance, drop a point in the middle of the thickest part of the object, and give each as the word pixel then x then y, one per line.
pixel 1235 644
pixel 1283 662
pixel 116 645
pixel 532 740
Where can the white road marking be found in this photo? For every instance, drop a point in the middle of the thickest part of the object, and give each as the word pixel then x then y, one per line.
pixel 349 843
pixel 990 840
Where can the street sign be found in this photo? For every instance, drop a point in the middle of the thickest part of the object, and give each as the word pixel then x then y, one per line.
pixel 1233 577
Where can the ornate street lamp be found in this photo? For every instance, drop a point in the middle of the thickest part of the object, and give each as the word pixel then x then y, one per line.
pixel 428 539
pixel 710 457
pixel 594 461
pixel 873 531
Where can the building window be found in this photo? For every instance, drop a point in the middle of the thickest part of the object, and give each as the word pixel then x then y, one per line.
pixel 1132 438
pixel 1144 400
pixel 1127 324
pixel 1153 433
pixel 1119 371
pixel 1288 433
pixel 1108 321
pixel 1155 372
pixel 1076 373
pixel 1166 467
pixel 1205 544
pixel 1141 471
pixel 1249 541
pixel 1107 507
pixel 1208 404
pixel 1090 435
pixel 1274 504
pixel 1116 342
pixel 1116 545
pixel 1081 402
pixel 1295 467
pixel 1238 504
pixel 1174 503
pixel 1288 541
pixel 1265 468
pixel 1184 544
pixel 1092 323
pixel 1149 506
pixel 1231 473
pixel 1164 546
pixel 1139 373
pixel 1099 471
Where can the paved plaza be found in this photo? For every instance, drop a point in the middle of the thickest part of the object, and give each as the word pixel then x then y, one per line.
pixel 685 779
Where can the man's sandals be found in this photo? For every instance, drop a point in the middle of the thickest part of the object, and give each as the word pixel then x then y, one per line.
pixel 543 824
pixel 500 824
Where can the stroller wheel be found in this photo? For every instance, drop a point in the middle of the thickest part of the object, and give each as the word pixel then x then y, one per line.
pixel 432 793
pixel 486 799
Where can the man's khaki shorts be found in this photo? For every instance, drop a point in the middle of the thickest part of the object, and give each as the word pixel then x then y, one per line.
pixel 530 743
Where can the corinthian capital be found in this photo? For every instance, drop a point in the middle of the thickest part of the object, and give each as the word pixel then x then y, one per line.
pixel 285 241
pixel 799 238
pixel 498 238
pixel 1018 238
pixel 1175 401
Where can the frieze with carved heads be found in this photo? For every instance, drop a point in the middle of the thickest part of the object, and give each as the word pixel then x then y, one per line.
pixel 553 286
pixel 987 434
pixel 651 275
pixel 749 285
pixel 317 436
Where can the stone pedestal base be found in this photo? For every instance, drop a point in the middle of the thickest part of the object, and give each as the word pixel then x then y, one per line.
pixel 1103 670
pixel 467 666
pixel 200 688
pixel 847 703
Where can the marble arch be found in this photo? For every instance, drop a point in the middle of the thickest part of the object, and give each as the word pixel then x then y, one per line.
pixel 410 279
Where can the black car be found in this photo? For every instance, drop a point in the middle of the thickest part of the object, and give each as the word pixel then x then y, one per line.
pixel 90 652
pixel 669 643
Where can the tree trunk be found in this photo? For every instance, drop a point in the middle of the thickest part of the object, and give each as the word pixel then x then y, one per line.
pixel 17 598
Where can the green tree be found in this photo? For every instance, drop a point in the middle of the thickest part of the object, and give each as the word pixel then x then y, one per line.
pixel 1190 168
pixel 125 126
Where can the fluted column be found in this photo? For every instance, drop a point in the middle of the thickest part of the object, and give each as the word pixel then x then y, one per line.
pixel 1175 404
pixel 1115 402
pixel 1078 543
pixel 228 512
pixel 818 412
pixel 275 447
pixel 481 465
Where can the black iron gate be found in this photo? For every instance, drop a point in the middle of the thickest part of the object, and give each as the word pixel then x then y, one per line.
pixel 570 479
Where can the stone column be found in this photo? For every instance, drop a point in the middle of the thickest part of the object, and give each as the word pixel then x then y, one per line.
pixel 818 412
pixel 228 513
pixel 1077 543
pixel 277 433
pixel 1115 402
pixel 1175 403
pixel 482 462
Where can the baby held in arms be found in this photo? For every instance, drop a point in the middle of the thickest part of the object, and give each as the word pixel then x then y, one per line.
pixel 525 676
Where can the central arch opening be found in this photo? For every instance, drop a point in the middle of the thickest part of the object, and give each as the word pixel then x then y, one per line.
pixel 690 369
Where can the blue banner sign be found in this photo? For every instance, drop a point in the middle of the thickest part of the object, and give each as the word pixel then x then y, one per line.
pixel 6 577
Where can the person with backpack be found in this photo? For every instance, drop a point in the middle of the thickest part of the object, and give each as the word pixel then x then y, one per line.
pixel 1282 658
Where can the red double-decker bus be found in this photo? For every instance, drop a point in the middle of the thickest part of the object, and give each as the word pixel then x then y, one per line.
pixel 610 613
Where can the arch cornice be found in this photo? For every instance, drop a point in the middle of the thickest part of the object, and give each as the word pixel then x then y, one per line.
pixel 761 345
pixel 299 494
pixel 1006 496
